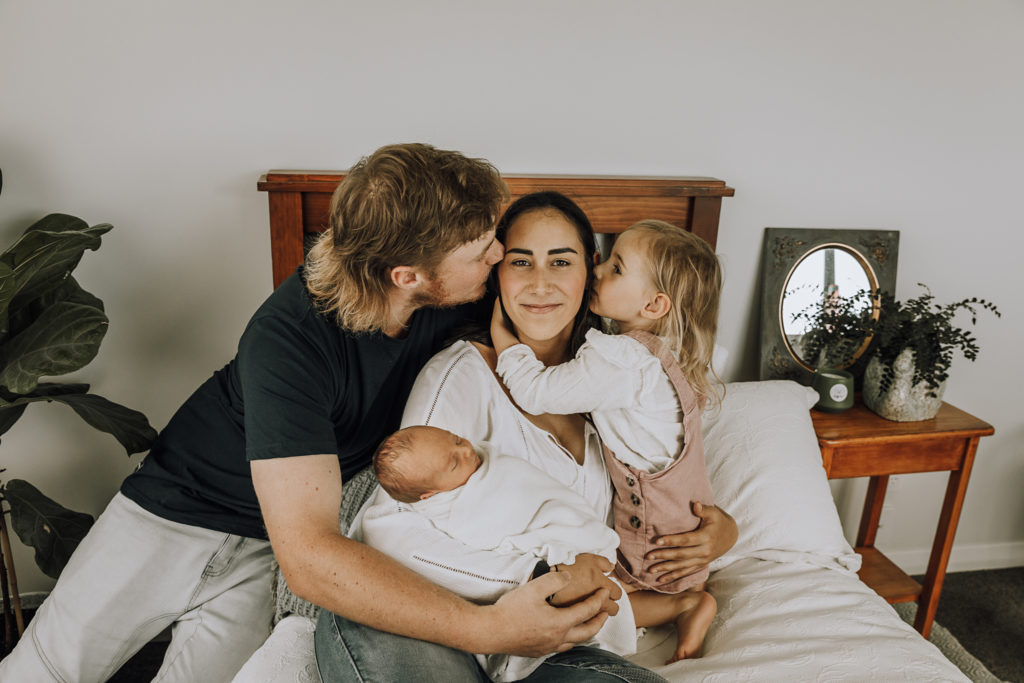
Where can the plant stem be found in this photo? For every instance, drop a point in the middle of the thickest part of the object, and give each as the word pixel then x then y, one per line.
pixel 5 544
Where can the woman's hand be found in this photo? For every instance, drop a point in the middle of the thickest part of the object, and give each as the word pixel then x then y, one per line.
pixel 502 336
pixel 682 554
pixel 588 574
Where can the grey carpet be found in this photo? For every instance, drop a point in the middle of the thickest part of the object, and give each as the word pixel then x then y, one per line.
pixel 950 647
pixel 984 610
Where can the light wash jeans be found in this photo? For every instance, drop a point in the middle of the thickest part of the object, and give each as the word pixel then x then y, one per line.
pixel 133 575
pixel 347 652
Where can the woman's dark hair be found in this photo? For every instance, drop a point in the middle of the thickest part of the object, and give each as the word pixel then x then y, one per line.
pixel 556 201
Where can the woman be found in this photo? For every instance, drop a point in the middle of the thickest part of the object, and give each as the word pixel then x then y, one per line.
pixel 544 282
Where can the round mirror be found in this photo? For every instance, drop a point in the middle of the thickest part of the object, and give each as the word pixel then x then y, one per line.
pixel 825 303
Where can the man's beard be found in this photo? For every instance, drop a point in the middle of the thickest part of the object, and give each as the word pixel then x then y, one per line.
pixel 438 296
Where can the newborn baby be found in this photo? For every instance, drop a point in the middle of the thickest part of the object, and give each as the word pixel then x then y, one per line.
pixel 488 502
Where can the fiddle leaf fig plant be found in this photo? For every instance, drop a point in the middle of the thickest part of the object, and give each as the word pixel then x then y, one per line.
pixel 50 326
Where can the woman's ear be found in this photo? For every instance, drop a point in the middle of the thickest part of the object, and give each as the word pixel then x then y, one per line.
pixel 657 307
pixel 405 277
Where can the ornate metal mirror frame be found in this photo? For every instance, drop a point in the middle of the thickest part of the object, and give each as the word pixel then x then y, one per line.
pixel 875 251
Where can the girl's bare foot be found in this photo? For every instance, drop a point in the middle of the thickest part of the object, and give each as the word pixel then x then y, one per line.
pixel 692 625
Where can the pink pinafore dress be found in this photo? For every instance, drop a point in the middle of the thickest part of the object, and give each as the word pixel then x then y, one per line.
pixel 647 505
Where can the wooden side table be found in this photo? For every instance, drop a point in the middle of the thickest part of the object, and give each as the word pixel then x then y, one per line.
pixel 859 443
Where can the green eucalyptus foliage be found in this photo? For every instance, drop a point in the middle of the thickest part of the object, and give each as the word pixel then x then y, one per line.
pixel 50 326
pixel 837 328
pixel 928 329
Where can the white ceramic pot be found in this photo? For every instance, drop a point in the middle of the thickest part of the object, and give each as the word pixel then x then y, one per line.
pixel 903 402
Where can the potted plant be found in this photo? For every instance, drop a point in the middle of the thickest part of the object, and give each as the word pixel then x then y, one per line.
pixel 50 326
pixel 913 346
pixel 838 329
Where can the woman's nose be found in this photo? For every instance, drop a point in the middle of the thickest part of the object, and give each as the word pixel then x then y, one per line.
pixel 540 281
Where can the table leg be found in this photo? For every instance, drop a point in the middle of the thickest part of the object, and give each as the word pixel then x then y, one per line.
pixel 872 513
pixel 928 603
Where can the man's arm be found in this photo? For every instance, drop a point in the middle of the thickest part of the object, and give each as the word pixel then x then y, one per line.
pixel 300 498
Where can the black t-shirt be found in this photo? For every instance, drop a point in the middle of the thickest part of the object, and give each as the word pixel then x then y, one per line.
pixel 299 385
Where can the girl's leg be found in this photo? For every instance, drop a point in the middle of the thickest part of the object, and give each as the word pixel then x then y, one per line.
pixel 692 612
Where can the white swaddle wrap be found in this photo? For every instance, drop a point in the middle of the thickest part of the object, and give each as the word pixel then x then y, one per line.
pixel 508 507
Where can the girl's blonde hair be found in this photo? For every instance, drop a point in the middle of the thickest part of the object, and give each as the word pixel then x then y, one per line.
pixel 684 267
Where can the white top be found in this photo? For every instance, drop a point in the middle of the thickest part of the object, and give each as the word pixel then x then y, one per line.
pixel 618 381
pixel 457 391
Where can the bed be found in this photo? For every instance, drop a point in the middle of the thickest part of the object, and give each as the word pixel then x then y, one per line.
pixel 791 606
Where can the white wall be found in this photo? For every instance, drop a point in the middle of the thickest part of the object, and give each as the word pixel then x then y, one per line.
pixel 160 116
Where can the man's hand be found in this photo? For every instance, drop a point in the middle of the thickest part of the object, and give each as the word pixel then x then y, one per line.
pixel 502 336
pixel 683 554
pixel 526 625
pixel 588 575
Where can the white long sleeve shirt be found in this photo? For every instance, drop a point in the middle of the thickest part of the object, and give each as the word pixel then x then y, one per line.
pixel 615 379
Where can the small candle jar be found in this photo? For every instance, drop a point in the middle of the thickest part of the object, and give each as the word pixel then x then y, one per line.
pixel 835 389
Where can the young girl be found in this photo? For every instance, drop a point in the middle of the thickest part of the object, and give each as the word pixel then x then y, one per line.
pixel 645 388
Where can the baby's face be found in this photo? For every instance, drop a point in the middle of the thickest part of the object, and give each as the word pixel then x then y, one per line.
pixel 442 460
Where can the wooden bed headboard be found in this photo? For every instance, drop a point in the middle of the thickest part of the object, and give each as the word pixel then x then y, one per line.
pixel 300 202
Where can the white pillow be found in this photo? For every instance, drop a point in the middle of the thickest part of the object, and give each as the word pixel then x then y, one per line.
pixel 766 471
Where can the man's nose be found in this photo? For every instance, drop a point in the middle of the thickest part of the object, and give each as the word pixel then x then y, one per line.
pixel 496 253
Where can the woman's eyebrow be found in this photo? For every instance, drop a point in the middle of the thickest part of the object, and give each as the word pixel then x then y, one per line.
pixel 529 252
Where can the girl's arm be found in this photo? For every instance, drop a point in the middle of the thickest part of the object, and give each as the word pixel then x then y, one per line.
pixel 609 372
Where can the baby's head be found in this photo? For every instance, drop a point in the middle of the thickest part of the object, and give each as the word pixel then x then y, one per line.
pixel 416 462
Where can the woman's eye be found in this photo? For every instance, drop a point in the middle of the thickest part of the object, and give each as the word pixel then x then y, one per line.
pixel 561 262
pixel 519 262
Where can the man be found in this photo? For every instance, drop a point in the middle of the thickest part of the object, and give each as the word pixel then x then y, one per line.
pixel 261 449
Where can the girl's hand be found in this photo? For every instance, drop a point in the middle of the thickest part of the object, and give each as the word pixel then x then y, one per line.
pixel 682 554
pixel 502 336
pixel 589 575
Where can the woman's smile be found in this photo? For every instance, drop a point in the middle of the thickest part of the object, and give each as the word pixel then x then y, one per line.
pixel 540 309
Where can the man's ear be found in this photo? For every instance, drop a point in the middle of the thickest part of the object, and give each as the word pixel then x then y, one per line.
pixel 406 277
pixel 597 258
pixel 427 494
pixel 657 307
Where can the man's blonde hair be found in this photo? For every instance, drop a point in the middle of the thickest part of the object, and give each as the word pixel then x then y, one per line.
pixel 404 205
pixel 685 267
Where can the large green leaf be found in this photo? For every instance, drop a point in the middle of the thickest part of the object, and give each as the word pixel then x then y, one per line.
pixel 13 405
pixel 129 427
pixel 50 528
pixel 64 338
pixel 23 312
pixel 43 257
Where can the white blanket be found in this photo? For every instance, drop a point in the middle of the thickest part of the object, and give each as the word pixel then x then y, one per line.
pixel 509 507
pixel 790 605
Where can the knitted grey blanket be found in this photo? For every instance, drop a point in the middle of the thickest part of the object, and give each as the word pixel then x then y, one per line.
pixel 354 493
